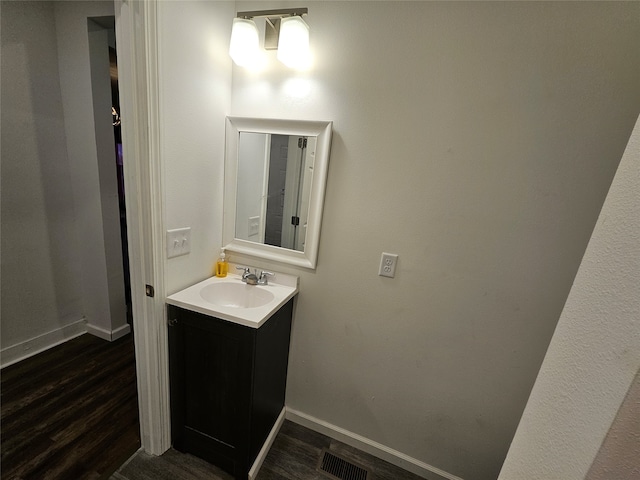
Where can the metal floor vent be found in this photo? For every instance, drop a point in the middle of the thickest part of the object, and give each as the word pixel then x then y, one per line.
pixel 340 468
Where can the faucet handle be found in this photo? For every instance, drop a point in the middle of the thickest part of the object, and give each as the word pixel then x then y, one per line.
pixel 245 271
pixel 262 280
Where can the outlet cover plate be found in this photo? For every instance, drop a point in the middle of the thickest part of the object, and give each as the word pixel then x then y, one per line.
pixel 388 262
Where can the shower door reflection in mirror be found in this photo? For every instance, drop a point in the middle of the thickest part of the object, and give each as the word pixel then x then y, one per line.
pixel 275 173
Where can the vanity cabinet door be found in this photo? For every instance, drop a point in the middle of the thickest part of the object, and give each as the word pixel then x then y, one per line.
pixel 228 385
pixel 210 374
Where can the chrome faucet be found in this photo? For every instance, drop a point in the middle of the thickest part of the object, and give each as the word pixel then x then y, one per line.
pixel 253 278
pixel 248 277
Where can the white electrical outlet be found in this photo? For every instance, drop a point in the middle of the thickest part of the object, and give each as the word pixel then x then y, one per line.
pixel 388 263
pixel 178 242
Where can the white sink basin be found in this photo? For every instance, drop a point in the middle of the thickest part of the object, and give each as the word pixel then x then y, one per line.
pixel 230 299
pixel 236 295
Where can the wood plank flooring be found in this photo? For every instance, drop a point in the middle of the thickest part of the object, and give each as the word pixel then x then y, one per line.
pixel 70 412
pixel 294 455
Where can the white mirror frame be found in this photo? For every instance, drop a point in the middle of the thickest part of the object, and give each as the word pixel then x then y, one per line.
pixel 321 130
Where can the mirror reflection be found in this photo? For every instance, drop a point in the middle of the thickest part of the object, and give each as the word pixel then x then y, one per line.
pixel 275 174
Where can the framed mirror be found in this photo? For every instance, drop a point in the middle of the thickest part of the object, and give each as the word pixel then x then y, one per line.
pixel 275 177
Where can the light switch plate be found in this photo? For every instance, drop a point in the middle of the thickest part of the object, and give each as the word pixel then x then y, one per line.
pixel 254 226
pixel 178 242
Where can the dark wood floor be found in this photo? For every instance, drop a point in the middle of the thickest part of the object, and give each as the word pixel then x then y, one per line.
pixel 294 455
pixel 70 412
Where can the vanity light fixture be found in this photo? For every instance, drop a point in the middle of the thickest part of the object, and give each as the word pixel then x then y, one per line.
pixel 285 31
pixel 244 48
pixel 293 50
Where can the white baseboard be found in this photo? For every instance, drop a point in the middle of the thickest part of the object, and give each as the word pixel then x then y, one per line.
pixel 109 335
pixel 255 468
pixel 120 331
pixel 35 345
pixel 390 455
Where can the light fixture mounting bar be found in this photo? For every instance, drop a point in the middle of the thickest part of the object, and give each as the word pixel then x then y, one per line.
pixel 277 13
pixel 273 17
pixel 271 33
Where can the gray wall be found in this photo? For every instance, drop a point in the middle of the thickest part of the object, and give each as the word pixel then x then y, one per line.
pixel 569 428
pixel 41 281
pixel 476 140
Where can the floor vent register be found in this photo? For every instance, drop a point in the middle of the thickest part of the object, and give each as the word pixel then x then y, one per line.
pixel 340 468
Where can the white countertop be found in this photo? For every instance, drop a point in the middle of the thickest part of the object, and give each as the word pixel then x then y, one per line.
pixel 282 286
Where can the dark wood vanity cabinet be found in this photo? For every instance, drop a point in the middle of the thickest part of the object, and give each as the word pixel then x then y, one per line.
pixel 227 384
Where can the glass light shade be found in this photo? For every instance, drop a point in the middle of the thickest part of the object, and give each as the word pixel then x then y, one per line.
pixel 244 48
pixel 293 43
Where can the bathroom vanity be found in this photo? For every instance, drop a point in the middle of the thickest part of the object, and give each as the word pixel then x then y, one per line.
pixel 228 369
pixel 229 341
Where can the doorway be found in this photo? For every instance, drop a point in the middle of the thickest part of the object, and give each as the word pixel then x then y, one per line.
pixel 102 42
pixel 117 136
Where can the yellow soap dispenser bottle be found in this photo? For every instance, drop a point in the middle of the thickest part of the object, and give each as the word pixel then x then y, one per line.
pixel 222 266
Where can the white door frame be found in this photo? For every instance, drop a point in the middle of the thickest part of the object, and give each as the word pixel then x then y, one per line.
pixel 137 48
